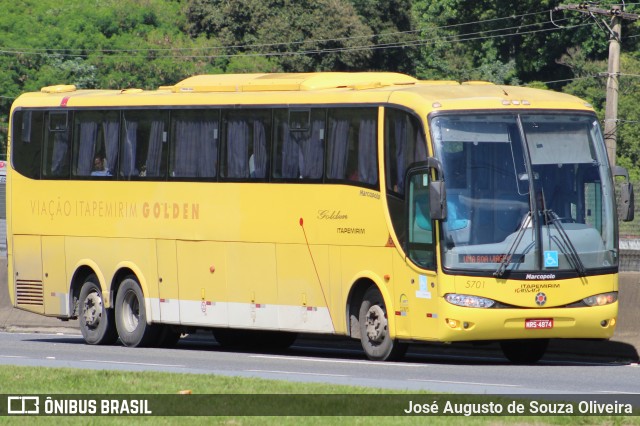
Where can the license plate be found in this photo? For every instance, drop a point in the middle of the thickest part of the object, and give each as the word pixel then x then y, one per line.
pixel 538 323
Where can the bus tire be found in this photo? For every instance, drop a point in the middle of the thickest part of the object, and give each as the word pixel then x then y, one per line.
pixel 131 316
pixel 97 323
pixel 374 329
pixel 523 352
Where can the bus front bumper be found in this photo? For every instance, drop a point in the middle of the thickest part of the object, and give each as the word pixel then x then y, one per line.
pixel 467 324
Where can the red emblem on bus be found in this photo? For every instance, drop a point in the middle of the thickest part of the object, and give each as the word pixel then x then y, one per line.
pixel 541 299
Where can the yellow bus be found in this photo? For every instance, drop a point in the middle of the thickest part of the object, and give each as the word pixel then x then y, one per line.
pixel 369 205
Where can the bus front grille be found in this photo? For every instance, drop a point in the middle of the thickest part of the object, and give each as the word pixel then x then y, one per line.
pixel 29 293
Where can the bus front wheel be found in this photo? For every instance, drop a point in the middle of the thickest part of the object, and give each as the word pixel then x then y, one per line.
pixel 374 329
pixel 524 351
pixel 97 323
pixel 131 316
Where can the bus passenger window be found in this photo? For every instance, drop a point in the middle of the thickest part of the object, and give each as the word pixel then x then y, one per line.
pixel 404 145
pixel 352 145
pixel 57 150
pixel 27 142
pixel 245 149
pixel 144 143
pixel 195 143
pixel 95 145
pixel 298 144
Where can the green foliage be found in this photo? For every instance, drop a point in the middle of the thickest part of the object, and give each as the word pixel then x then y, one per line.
pixel 590 84
pixel 306 35
pixel 392 23
pixel 502 41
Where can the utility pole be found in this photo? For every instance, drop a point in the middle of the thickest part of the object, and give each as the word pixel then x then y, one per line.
pixel 617 14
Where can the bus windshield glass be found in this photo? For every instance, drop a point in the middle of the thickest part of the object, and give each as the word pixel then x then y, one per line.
pixel 525 193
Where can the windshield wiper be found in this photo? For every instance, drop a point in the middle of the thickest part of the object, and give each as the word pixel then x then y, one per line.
pixel 506 258
pixel 565 246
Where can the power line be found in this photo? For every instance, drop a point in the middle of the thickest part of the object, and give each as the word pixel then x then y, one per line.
pixel 406 43
pixel 46 51
pixel 400 44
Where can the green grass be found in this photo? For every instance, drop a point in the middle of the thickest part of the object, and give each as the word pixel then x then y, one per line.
pixel 16 380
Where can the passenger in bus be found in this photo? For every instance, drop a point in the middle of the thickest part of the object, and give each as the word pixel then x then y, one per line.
pixel 100 167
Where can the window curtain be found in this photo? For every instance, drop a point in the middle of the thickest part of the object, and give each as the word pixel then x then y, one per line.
pixel 367 154
pixel 338 148
pixel 208 149
pixel 86 147
pixel 154 149
pixel 111 130
pixel 291 153
pixel 420 153
pixel 128 167
pixel 407 150
pixel 186 139
pixel 313 152
pixel 237 148
pixel 196 147
pixel 259 150
pixel 400 133
pixel 60 154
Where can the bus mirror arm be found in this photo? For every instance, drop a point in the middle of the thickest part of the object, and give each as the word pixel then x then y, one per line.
pixel 626 200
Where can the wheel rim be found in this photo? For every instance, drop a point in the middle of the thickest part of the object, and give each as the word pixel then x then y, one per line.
pixel 130 311
pixel 92 310
pixel 376 323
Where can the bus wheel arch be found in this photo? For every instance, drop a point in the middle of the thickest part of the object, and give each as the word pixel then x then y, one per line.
pixel 131 315
pixel 356 296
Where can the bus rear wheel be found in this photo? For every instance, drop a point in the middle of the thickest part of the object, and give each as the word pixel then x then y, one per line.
pixel 374 329
pixel 524 351
pixel 97 323
pixel 131 316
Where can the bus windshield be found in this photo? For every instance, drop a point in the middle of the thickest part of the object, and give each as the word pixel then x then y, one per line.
pixel 525 193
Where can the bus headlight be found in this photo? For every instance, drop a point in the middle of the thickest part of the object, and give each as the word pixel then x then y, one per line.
pixel 468 301
pixel 601 299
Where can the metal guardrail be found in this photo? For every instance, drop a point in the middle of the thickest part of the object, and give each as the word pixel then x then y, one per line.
pixel 630 255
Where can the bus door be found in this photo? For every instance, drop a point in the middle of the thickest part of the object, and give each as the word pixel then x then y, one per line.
pixel 425 204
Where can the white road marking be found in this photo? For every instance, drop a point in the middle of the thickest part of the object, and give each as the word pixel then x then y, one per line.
pixel 296 372
pixel 133 363
pixel 338 361
pixel 464 383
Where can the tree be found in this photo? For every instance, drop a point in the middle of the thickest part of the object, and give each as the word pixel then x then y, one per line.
pixel 502 41
pixel 392 24
pixel 590 84
pixel 305 35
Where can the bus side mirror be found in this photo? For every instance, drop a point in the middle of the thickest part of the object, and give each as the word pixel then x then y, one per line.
pixel 437 200
pixel 437 193
pixel 626 200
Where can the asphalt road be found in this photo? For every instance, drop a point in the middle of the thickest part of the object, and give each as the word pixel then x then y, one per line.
pixel 432 368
